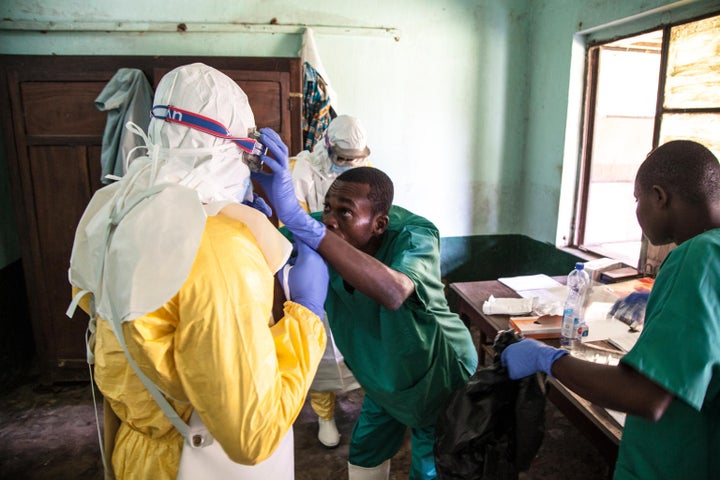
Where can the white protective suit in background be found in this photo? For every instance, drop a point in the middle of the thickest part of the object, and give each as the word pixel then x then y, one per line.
pixel 185 273
pixel 343 146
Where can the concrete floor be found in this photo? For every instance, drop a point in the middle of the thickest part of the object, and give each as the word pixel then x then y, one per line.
pixel 49 432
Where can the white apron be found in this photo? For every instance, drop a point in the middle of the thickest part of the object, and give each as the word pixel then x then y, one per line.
pixel 332 373
pixel 211 463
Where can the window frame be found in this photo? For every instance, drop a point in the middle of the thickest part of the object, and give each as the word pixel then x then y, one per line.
pixel 589 103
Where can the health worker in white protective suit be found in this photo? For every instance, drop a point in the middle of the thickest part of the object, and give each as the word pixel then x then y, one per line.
pixel 344 146
pixel 180 277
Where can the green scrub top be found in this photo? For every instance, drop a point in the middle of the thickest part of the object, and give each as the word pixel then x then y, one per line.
pixel 410 360
pixel 679 349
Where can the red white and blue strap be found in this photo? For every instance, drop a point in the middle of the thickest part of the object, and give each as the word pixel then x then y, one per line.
pixel 207 125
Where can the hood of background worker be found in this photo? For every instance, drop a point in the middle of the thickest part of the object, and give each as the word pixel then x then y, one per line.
pixel 211 166
pixel 346 144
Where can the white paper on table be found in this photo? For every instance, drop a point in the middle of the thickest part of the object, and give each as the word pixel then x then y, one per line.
pixel 618 416
pixel 559 293
pixel 599 326
pixel 547 301
pixel 529 282
pixel 548 294
pixel 625 342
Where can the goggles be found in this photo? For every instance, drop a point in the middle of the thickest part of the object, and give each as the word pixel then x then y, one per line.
pixel 343 157
pixel 251 148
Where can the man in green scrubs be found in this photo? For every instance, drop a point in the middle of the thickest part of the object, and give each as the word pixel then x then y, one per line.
pixel 387 310
pixel 669 383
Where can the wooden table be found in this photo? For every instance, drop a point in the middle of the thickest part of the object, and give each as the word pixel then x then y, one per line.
pixel 595 422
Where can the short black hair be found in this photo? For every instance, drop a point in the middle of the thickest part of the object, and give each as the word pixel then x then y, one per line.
pixel 684 168
pixel 382 190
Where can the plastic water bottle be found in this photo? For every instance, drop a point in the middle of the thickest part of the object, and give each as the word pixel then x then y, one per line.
pixel 573 323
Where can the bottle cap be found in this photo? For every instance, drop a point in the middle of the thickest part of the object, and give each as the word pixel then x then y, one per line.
pixel 579 266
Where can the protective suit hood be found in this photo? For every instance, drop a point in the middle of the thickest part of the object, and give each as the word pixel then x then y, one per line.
pixel 137 239
pixel 315 171
pixel 346 136
pixel 212 166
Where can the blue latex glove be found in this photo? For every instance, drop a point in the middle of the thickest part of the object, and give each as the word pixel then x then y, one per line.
pixel 529 356
pixel 279 188
pixel 631 309
pixel 259 204
pixel 308 279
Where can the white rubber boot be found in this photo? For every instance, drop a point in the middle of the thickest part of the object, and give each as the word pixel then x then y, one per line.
pixel 328 433
pixel 381 472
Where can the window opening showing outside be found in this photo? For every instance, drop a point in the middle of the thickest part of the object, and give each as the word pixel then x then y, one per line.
pixel 642 91
pixel 622 134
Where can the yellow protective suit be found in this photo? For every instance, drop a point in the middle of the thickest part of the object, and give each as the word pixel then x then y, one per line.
pixel 210 346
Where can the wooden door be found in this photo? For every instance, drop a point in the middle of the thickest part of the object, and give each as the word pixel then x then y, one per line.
pixel 53 137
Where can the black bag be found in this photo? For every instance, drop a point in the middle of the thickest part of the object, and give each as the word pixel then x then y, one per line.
pixel 491 428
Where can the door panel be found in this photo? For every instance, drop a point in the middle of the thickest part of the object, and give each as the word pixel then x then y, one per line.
pixel 57 214
pixel 48 113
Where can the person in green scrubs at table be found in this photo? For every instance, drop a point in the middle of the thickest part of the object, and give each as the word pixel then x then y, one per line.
pixel 669 382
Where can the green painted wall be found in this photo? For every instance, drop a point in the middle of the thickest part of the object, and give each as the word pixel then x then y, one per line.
pixel 466 112
pixel 488 257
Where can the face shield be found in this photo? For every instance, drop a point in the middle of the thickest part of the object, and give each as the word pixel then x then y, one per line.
pixel 341 159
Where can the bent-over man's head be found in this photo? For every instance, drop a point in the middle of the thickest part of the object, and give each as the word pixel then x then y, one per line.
pixel 357 205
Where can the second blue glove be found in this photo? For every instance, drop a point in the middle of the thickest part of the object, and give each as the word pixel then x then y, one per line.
pixel 631 309
pixel 308 280
pixel 529 356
